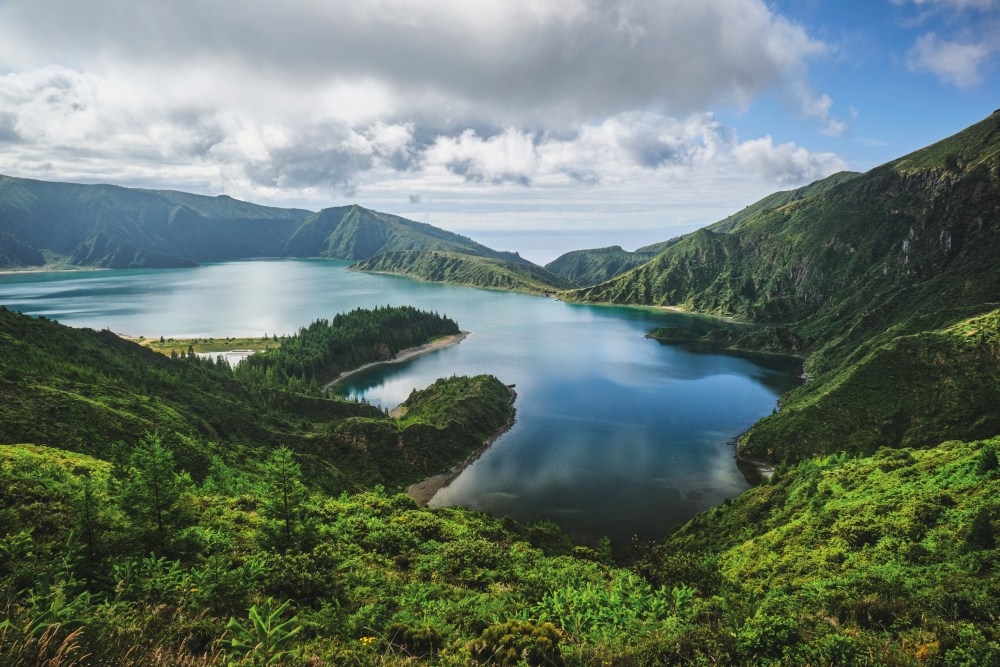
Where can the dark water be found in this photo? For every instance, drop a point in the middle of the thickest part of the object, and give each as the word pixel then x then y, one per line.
pixel 615 435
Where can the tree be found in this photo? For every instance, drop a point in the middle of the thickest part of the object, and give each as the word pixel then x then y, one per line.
pixel 987 460
pixel 151 493
pixel 980 535
pixel 285 494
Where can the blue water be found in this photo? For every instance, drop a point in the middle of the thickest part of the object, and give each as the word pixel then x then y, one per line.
pixel 615 435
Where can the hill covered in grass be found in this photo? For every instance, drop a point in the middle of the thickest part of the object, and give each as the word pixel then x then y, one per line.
pixel 465 269
pixel 88 391
pixel 841 271
pixel 108 226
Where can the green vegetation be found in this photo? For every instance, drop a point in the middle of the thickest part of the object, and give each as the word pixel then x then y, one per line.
pixel 887 559
pixel 179 346
pixel 590 267
pixel 353 232
pixel 173 512
pixel 464 269
pixel 43 223
pixel 324 349
pixel 88 391
pixel 864 275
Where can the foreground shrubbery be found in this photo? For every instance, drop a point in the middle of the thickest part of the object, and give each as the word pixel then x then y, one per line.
pixel 889 559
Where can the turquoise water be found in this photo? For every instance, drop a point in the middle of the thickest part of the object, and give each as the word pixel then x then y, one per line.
pixel 615 435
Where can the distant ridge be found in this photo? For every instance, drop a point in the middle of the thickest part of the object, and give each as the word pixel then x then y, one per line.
pixel 583 268
pixel 115 227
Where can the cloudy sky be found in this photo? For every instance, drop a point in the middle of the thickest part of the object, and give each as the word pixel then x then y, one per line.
pixel 532 125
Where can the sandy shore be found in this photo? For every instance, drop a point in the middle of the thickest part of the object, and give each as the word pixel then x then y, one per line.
pixel 424 490
pixel 403 355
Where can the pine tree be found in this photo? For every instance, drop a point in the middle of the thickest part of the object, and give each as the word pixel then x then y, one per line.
pixel 285 495
pixel 151 493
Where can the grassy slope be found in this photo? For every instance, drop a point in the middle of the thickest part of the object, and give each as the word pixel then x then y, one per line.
pixel 353 232
pixel 463 269
pixel 590 267
pixel 915 390
pixel 84 390
pixel 838 555
pixel 906 248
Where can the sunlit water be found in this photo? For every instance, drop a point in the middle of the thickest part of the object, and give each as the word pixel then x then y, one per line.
pixel 615 435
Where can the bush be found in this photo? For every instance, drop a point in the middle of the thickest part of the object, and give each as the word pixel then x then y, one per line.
pixel 511 643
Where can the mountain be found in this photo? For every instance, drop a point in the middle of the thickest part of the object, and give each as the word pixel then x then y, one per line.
pixel 115 227
pixel 583 268
pixel 844 269
pixel 589 267
pixel 353 232
pixel 465 269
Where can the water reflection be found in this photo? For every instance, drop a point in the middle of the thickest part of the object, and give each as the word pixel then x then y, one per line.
pixel 616 434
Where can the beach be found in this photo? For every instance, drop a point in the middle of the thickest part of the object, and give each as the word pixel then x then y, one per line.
pixel 424 490
pixel 403 355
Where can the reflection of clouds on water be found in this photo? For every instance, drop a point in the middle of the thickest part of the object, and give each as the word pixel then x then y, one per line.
pixel 615 434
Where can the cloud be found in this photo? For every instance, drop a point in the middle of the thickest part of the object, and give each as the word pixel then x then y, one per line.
pixel 785 164
pixel 509 156
pixel 953 63
pixel 952 4
pixel 493 101
pixel 505 61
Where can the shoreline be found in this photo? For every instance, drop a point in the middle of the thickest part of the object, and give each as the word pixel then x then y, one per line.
pixel 402 355
pixel 423 491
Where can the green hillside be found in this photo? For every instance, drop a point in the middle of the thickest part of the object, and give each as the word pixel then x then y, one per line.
pixel 889 559
pixel 589 267
pixel 465 269
pixel 583 268
pixel 779 199
pixel 87 391
pixel 353 232
pixel 115 227
pixel 841 273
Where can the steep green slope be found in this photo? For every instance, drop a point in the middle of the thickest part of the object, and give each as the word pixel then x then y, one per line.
pixel 914 391
pixel 779 199
pixel 464 269
pixel 353 232
pixel 905 239
pixel 888 559
pixel 583 268
pixel 841 275
pixel 589 267
pixel 118 227
pixel 85 391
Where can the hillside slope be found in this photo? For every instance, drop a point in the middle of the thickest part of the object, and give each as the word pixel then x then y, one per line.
pixel 913 236
pixel 464 269
pixel 353 232
pixel 908 247
pixel 85 390
pixel 590 267
pixel 115 227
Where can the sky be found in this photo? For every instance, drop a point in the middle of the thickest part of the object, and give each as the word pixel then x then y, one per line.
pixel 540 126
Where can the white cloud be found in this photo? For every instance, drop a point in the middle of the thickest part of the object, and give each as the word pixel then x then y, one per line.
pixel 952 4
pixel 506 61
pixel 785 164
pixel 558 103
pixel 509 156
pixel 954 63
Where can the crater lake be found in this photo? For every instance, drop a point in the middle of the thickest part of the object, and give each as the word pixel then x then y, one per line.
pixel 615 434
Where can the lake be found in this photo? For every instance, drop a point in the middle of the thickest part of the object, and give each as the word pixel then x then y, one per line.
pixel 615 435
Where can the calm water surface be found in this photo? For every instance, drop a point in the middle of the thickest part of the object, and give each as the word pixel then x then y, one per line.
pixel 615 434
